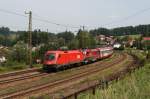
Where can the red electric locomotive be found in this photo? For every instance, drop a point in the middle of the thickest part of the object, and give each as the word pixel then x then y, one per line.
pixel 58 59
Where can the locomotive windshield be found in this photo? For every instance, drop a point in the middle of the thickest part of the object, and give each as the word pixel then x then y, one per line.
pixel 50 56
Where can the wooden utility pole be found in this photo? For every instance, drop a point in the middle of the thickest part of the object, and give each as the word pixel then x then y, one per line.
pixel 82 28
pixel 30 38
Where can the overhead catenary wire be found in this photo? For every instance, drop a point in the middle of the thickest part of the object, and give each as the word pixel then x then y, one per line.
pixel 11 12
pixel 122 19
pixel 128 17
pixel 79 26
pixel 58 24
pixel 39 19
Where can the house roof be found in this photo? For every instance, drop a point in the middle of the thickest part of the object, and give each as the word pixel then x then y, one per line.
pixel 146 38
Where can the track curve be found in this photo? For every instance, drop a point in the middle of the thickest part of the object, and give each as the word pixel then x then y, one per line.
pixel 75 77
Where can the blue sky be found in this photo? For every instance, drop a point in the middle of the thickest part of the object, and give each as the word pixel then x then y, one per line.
pixel 91 13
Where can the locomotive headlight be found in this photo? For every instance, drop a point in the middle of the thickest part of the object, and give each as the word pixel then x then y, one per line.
pixel 78 56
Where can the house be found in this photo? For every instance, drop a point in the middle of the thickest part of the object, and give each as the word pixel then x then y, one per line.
pixel 2 59
pixel 130 42
pixel 146 38
pixel 117 45
pixel 100 37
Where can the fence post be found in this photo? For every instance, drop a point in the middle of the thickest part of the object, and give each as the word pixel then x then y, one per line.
pixel 106 83
pixel 93 90
pixel 117 78
pixel 75 96
pixel 63 97
pixel 102 85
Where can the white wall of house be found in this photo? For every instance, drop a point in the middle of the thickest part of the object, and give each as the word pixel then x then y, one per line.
pixel 3 59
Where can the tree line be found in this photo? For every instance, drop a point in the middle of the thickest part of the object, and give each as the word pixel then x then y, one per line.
pixel 120 31
pixel 17 41
pixel 43 41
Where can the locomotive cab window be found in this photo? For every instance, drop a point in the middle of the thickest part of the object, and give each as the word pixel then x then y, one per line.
pixel 50 56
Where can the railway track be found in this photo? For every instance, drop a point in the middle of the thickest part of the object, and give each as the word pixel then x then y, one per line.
pixel 8 79
pixel 70 80
pixel 20 78
pixel 14 78
pixel 21 72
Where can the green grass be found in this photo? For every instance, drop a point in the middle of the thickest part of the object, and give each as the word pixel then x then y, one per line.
pixel 134 86
pixel 14 66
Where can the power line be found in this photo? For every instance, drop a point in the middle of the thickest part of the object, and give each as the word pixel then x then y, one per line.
pixel 38 19
pixel 128 17
pixel 78 27
pixel 14 13
pixel 123 19
pixel 47 21
pixel 58 24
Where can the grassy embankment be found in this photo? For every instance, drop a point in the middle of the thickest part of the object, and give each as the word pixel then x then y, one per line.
pixel 13 66
pixel 134 86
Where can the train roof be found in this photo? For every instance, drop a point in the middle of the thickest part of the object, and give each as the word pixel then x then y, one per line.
pixel 61 52
pixel 106 48
pixel 78 51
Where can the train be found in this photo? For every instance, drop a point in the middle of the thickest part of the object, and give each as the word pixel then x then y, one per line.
pixel 54 60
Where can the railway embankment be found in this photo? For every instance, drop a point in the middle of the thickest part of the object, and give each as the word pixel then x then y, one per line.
pixel 91 82
pixel 79 82
pixel 60 80
pixel 134 85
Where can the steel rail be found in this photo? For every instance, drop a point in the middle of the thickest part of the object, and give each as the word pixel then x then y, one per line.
pixel 59 82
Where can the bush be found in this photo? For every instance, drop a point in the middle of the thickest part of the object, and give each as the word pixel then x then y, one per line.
pixel 2 68
pixel 148 55
pixel 18 67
